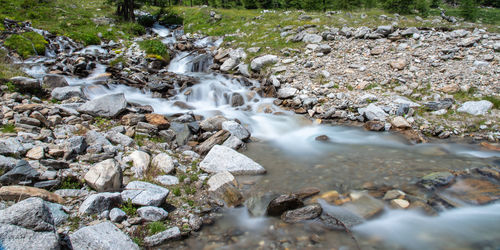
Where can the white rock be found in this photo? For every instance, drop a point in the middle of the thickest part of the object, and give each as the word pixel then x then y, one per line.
pixel 476 107
pixel 167 180
pixel 144 193
pixel 220 179
pixel 373 112
pixel 140 162
pixel 259 62
pixel 400 122
pixel 221 158
pixel 104 235
pixel 236 129
pixel 150 213
pixel 284 93
pixel 105 176
pixel 163 162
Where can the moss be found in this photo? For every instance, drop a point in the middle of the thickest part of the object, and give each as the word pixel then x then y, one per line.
pixel 27 44
pixel 155 48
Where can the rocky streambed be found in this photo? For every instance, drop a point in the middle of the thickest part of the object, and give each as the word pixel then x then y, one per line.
pixel 108 147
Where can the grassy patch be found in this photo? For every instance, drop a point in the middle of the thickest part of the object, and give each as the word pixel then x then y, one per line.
pixel 74 223
pixel 27 44
pixel 156 227
pixel 493 99
pixel 8 128
pixel 129 208
pixel 155 48
pixel 176 191
pixel 103 123
pixel 70 183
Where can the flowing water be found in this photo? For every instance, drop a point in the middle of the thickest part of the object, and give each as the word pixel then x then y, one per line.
pixel 285 145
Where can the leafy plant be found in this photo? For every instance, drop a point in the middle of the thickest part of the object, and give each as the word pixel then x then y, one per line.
pixel 469 10
pixel 423 7
pixel 189 190
pixel 155 47
pixel 146 20
pixel 493 99
pixel 129 208
pixel 156 227
pixel 8 128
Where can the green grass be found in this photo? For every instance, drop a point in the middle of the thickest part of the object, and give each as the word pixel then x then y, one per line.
pixel 74 223
pixel 189 190
pixel 155 49
pixel 8 128
pixel 493 99
pixel 176 191
pixel 70 183
pixel 156 227
pixel 27 44
pixel 129 208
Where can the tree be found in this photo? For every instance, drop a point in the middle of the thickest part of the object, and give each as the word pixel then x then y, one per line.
pixel 468 9
pixel 124 8
pixel 399 6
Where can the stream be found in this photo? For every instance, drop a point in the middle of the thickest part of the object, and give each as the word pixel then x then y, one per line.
pixel 285 145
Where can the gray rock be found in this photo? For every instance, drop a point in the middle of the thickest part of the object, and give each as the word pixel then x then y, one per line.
pixel 365 206
pixel 57 212
pixel 105 106
pixel 361 32
pixel 101 236
pixel 213 123
pixel 105 176
pixel 323 48
pixel 284 93
pixel 332 215
pixel 194 222
pixel 312 38
pixel 150 213
pixel 144 194
pixel 468 42
pixel 73 146
pixel 233 142
pixel 26 84
pixel 496 47
pixel 117 215
pixel 433 106
pixel 221 158
pixel 258 63
pixel 243 70
pixel 373 112
pixel 384 30
pixel 7 163
pixel 410 31
pixel 167 180
pixel 64 93
pixel 71 193
pixel 11 146
pixel 437 179
pixel 52 81
pixel 19 238
pixel 236 130
pixel 118 138
pixel 31 213
pixel 161 237
pixel 20 173
pixel 163 162
pixel 237 100
pixel 476 107
pixel 301 214
pixel 182 132
pixel 97 203
pixel 229 64
pixel 146 128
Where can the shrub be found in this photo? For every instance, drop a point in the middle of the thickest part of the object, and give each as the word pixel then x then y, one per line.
pixel 399 6
pixel 129 208
pixel 27 44
pixel 423 7
pixel 171 19
pixel 8 128
pixel 146 20
pixel 435 3
pixel 469 10
pixel 87 38
pixel 155 47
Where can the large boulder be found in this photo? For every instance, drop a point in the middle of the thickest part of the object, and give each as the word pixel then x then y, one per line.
pixel 105 106
pixel 476 107
pixel 18 238
pixel 64 93
pixel 104 235
pixel 105 176
pixel 98 203
pixel 221 158
pixel 22 172
pixel 258 63
pixel 52 81
pixel 163 162
pixel 373 112
pixel 31 213
pixel 26 84
pixel 144 194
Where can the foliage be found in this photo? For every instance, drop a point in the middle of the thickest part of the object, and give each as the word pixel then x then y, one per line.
pixel 74 223
pixel 11 87
pixel 469 10
pixel 70 183
pixel 8 128
pixel 155 47
pixel 27 44
pixel 423 7
pixel 129 208
pixel 156 227
pixel 435 3
pixel 493 99
pixel 146 20
pixel 399 6
pixel 189 190
pixel 176 191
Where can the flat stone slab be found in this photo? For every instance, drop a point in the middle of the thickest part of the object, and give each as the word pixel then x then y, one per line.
pixel 221 158
pixel 101 236
pixel 145 194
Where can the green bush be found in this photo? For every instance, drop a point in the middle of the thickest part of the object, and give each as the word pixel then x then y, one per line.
pixel 423 7
pixel 87 38
pixel 146 20
pixel 27 44
pixel 155 47
pixel 435 3
pixel 399 6
pixel 171 19
pixel 469 10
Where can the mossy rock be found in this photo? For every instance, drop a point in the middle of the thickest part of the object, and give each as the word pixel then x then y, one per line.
pixel 27 44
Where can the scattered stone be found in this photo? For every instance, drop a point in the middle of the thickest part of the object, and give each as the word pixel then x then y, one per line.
pixel 144 194
pixel 223 186
pixel 140 161
pixel 400 204
pixel 167 180
pixel 52 81
pixel 161 237
pixel 158 120
pixel 150 213
pixel 16 193
pixel 301 214
pixel 117 215
pixel 285 93
pixel 400 122
pixel 437 179
pixel 283 203
pixel 398 64
pixel 373 112
pixel 258 63
pixel 236 130
pixel 105 176
pixel 36 153
pixel 11 146
pixel 394 194
pixel 163 162
pixel 105 106
pixel 365 206
pixel 97 203
pixel 213 123
pixel 476 107
pixel 31 213
pixel 22 172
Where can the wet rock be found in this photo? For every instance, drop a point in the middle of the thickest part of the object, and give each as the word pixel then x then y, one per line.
pixel 150 213
pixel 365 206
pixel 216 139
pixel 285 93
pixel 163 162
pixel 237 100
pixel 258 63
pixel 97 203
pixel 394 194
pixel 16 193
pixel 301 214
pixel 323 138
pixel 144 194
pixel 233 142
pixel 221 158
pixel 213 123
pixel 117 215
pixel 104 235
pixel 476 107
pixel 400 204
pixel 236 130
pixel 167 180
pixel 26 84
pixel 475 191
pixel 161 237
pixel 328 196
pixel 22 172
pixel 140 163
pixel 52 81
pixel 229 64
pixel 375 126
pixel 105 176
pixel 105 106
pixel 64 93
pixel 31 213
pixel 336 217
pixel 283 203
pixel 11 146
pixel 437 179
pixel 223 186
pixel 158 120
pixel 306 192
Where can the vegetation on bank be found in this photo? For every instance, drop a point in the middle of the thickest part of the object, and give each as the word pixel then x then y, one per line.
pixel 26 44
pixel 155 49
